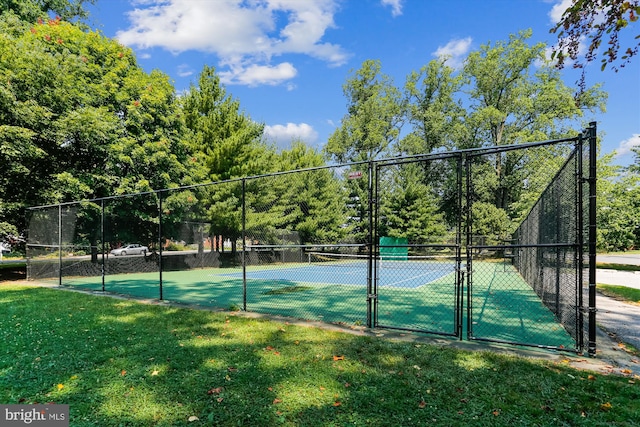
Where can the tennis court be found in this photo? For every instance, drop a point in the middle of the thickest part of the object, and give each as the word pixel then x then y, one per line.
pixel 352 270
pixel 413 295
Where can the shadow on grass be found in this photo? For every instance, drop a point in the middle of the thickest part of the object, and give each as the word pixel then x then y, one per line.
pixel 118 362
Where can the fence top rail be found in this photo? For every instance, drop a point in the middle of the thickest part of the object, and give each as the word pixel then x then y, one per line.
pixel 317 245
pixel 469 152
pixel 534 245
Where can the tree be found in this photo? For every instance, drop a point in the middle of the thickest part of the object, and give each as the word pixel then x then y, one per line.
pixel 229 144
pixel 618 199
pixel 409 208
pixel 313 203
pixel 596 20
pixel 432 110
pixel 32 10
pixel 372 123
pixel 79 119
pixel 513 100
pixel 226 137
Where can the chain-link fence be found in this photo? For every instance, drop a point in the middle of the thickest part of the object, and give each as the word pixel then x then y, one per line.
pixel 423 243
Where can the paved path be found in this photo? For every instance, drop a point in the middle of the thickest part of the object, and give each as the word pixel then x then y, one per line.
pixel 633 259
pixel 618 322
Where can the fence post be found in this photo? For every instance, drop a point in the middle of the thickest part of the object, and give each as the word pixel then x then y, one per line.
pixel 460 277
pixel 59 245
pixel 102 239
pixel 370 270
pixel 592 237
pixel 469 242
pixel 160 241
pixel 244 249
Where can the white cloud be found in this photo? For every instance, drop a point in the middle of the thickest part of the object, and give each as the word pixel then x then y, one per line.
pixel 246 35
pixel 184 70
pixel 626 145
pixel 454 52
pixel 555 14
pixel 254 75
pixel 284 135
pixel 396 6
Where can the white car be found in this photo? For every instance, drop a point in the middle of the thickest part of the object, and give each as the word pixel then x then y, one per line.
pixel 133 249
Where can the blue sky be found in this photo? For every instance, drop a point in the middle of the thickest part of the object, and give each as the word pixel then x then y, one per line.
pixel 286 60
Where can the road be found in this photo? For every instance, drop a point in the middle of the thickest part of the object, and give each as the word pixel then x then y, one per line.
pixel 633 259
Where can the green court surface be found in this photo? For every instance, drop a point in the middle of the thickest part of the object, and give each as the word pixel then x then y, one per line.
pixel 504 306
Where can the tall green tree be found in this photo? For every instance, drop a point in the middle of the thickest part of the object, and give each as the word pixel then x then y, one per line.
pixel 368 131
pixel 79 119
pixel 314 203
pixel 515 97
pixel 227 138
pixel 372 123
pixel 618 204
pixel 409 207
pixel 433 109
pixel 229 144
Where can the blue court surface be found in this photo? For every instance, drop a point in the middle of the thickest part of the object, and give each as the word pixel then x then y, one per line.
pixel 410 275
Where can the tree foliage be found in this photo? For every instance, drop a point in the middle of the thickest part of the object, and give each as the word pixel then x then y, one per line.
pixel 601 21
pixel 372 122
pixel 32 10
pixel 79 119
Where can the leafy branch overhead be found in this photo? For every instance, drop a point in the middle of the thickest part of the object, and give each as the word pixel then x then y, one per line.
pixel 602 22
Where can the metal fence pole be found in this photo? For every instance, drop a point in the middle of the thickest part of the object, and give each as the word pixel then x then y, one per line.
pixel 460 275
pixel 244 249
pixel 371 295
pixel 160 241
pixel 469 242
pixel 102 239
pixel 592 238
pixel 580 244
pixel 59 245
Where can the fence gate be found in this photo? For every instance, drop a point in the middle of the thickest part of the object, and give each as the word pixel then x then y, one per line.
pixel 417 282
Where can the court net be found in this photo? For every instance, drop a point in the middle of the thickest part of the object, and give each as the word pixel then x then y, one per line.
pixel 329 259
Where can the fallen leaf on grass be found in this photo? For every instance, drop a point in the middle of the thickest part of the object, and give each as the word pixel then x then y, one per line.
pixel 337 403
pixel 422 404
pixel 496 412
pixel 336 358
pixel 276 401
pixel 193 418
pixel 216 390
pixel 154 373
pixel 591 378
pixel 605 406
pixel 123 373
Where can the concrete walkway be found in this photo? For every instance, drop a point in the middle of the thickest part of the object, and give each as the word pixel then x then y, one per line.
pixel 618 322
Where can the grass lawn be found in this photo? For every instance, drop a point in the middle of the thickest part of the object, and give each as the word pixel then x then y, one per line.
pixel 119 362
pixel 623 293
